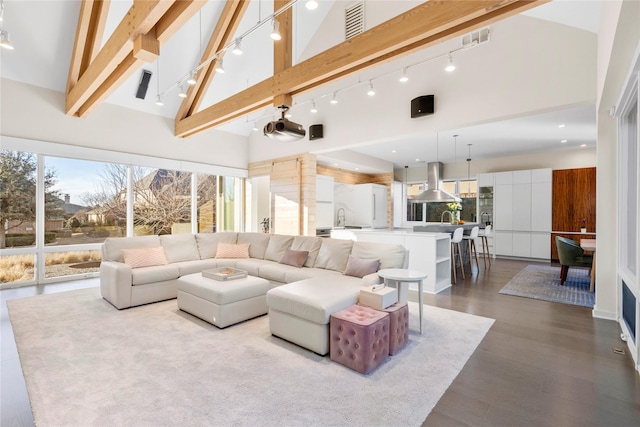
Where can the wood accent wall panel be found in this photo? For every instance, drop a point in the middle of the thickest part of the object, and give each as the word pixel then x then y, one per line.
pixel 573 198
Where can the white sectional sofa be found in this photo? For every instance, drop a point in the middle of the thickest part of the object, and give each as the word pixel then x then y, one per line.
pixel 300 300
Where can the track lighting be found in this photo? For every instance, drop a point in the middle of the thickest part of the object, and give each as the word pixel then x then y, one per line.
pixel 404 78
pixel 450 67
pixel 275 32
pixel 192 78
pixel 159 100
pixel 311 4
pixel 334 100
pixel 313 107
pixel 237 49
pixel 371 92
pixel 4 40
pixel 183 92
pixel 219 66
pixel 255 127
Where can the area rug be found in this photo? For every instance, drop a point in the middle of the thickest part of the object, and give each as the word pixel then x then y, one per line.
pixel 543 282
pixel 86 363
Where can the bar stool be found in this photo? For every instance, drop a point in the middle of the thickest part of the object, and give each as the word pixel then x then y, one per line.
pixel 485 252
pixel 456 238
pixel 471 245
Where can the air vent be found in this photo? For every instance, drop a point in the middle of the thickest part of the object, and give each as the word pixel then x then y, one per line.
pixel 476 37
pixel 354 20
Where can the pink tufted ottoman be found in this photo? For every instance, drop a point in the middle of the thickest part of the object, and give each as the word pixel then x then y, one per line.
pixel 359 338
pixel 398 326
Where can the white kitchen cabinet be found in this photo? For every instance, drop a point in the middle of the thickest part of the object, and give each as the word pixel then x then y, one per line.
pixel 540 247
pixel 521 207
pixel 503 207
pixel 522 212
pixel 486 180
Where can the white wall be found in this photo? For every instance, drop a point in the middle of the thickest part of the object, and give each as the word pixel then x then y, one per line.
pixel 618 39
pixel 530 66
pixel 36 113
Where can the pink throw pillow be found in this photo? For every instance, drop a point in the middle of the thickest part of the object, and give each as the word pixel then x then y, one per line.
pixel 294 258
pixel 144 257
pixel 361 267
pixel 231 250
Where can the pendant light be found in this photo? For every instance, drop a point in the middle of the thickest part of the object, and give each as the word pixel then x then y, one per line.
pixel 275 32
pixel 469 172
pixel 159 97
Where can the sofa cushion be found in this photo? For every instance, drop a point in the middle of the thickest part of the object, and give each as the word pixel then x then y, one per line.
pixel 358 267
pixel 295 274
pixel 258 243
pixel 232 250
pixel 113 246
pixel 278 245
pixel 276 272
pixel 144 257
pixel 208 242
pixel 142 276
pixel 294 258
pixel 251 265
pixel 333 254
pixel 307 243
pixel 180 247
pixel 190 267
pixel 315 299
pixel 391 255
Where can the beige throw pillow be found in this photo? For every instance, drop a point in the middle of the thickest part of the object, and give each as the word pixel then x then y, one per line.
pixel 361 267
pixel 144 257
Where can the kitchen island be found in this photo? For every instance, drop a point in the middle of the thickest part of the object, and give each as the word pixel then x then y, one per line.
pixel 428 252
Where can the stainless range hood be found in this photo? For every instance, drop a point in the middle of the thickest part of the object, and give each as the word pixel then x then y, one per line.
pixel 433 193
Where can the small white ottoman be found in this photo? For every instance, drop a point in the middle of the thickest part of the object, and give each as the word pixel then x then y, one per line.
pixel 223 303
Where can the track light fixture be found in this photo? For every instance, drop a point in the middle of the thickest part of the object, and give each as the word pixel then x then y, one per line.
pixel 192 78
pixel 255 127
pixel 311 4
pixel 237 49
pixel 334 100
pixel 275 32
pixel 450 66
pixel 159 100
pixel 5 42
pixel 183 92
pixel 313 107
pixel 404 78
pixel 371 92
pixel 220 66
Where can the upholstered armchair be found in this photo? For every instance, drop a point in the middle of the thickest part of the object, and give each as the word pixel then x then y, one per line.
pixel 571 254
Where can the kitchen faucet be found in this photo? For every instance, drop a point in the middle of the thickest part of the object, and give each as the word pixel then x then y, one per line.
pixel 340 218
pixel 442 216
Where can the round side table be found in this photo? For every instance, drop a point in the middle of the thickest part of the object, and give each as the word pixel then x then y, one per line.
pixel 399 275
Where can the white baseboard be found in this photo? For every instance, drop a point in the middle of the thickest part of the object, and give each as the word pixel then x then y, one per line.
pixel 602 314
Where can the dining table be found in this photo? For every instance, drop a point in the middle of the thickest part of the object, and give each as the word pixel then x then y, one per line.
pixel 589 245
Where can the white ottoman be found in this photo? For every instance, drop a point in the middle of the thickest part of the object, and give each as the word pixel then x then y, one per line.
pixel 223 303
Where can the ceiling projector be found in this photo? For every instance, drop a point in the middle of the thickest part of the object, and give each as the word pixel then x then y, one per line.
pixel 284 129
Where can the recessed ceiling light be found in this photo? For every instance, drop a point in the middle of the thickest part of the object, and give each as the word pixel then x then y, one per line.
pixel 357 169
pixel 335 164
pixel 583 145
pixel 561 126
pixel 417 160
pixel 393 151
pixel 563 141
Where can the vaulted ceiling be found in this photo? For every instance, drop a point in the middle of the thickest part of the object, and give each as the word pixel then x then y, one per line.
pixel 96 72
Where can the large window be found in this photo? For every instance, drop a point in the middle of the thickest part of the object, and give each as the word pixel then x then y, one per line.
pixel 56 210
pixel 434 211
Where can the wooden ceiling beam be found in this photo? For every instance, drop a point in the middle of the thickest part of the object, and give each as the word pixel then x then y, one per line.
pixel 140 19
pixel 91 22
pixel 222 35
pixel 425 25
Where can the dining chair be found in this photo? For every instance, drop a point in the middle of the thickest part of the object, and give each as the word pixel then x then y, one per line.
pixel 570 254
pixel 456 238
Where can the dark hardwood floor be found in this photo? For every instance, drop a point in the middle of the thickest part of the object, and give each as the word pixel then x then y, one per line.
pixel 541 363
